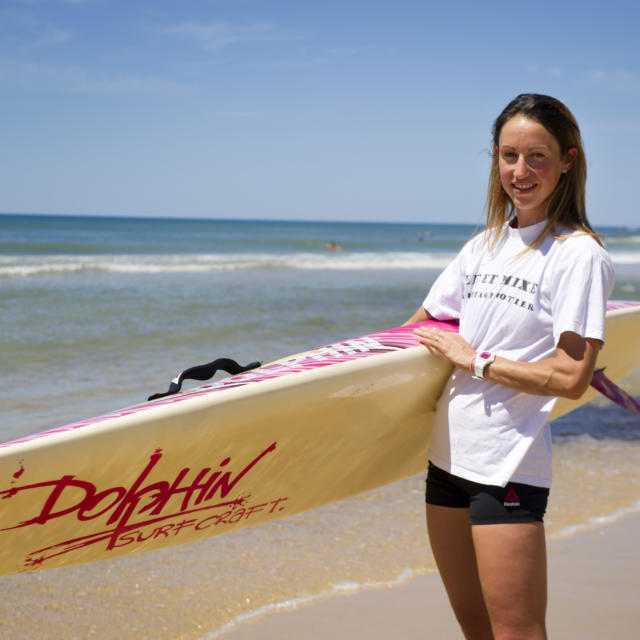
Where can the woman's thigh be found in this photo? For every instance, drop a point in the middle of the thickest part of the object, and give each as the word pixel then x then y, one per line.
pixel 512 569
pixel 453 549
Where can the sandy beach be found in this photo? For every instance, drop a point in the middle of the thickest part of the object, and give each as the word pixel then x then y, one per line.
pixel 594 592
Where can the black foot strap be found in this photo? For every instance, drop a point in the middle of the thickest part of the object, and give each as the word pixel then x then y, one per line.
pixel 205 372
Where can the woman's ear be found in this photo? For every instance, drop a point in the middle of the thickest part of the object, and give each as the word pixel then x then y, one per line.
pixel 569 159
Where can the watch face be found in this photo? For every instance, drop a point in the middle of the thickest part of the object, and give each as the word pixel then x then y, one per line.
pixel 484 355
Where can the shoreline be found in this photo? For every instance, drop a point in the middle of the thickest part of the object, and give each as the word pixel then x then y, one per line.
pixel 594 590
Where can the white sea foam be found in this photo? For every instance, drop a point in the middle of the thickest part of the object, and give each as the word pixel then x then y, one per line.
pixel 597 521
pixel 18 266
pixel 622 239
pixel 343 588
pixel 625 257
pixel 24 266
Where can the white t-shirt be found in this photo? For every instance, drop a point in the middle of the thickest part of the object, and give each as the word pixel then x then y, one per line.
pixel 514 302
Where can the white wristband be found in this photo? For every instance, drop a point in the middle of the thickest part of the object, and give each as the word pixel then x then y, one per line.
pixel 481 362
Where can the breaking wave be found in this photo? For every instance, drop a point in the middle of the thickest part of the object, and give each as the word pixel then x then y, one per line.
pixel 24 266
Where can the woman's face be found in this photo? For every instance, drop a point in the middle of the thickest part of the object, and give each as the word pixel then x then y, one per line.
pixel 531 164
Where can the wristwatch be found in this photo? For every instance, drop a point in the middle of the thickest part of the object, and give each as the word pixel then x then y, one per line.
pixel 480 362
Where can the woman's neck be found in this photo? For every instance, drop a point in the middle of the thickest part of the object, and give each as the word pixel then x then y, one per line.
pixel 522 220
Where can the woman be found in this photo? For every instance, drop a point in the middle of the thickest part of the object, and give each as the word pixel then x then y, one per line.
pixel 530 294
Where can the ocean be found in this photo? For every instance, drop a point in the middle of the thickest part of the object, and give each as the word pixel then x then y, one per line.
pixel 98 313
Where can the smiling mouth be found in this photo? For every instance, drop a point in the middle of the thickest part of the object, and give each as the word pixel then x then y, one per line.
pixel 523 187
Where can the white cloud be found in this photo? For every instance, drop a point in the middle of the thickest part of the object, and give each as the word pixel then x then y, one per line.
pixel 218 35
pixel 238 114
pixel 617 79
pixel 629 80
pixel 555 72
pixel 71 2
pixel 30 32
pixel 286 65
pixel 49 36
pixel 79 80
pixel 343 52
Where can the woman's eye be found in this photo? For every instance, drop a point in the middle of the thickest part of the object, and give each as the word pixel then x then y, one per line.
pixel 537 160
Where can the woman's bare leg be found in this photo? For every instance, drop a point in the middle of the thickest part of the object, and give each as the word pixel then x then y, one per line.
pixel 512 566
pixel 453 549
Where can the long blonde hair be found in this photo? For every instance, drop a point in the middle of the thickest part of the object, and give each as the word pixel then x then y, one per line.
pixel 566 205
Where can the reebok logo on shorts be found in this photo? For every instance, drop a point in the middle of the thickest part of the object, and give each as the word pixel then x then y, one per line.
pixel 512 499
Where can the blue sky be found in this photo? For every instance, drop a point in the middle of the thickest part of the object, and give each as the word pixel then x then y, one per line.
pixel 293 109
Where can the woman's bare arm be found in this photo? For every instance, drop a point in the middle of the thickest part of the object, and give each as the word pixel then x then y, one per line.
pixel 419 316
pixel 567 373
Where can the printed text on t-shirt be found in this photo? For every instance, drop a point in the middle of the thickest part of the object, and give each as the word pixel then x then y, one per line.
pixel 498 288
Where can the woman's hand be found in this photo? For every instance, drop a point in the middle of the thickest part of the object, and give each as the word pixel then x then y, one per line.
pixel 450 345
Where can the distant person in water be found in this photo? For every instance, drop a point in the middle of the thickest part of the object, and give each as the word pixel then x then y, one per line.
pixel 332 246
pixel 530 295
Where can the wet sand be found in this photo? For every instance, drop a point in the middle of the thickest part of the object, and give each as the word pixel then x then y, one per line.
pixel 594 592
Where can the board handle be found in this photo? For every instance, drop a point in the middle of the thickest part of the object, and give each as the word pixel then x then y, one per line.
pixel 204 372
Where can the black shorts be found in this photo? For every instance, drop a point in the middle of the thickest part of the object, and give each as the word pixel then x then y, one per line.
pixel 487 504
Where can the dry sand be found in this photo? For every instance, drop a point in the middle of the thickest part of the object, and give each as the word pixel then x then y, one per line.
pixel 594 593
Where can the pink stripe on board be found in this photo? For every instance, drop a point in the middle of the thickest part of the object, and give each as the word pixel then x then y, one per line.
pixel 622 304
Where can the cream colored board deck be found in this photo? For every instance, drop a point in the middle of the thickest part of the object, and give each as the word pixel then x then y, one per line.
pixel 293 435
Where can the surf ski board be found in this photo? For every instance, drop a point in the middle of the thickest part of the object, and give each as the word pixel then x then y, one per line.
pixel 295 434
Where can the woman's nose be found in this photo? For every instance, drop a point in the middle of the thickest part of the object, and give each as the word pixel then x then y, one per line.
pixel 521 168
